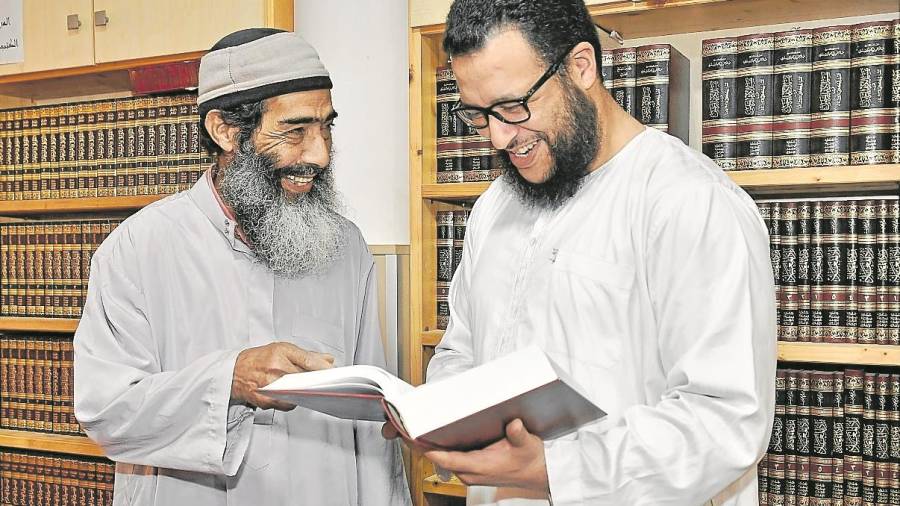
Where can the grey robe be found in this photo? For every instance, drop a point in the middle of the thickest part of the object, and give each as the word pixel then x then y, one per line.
pixel 173 298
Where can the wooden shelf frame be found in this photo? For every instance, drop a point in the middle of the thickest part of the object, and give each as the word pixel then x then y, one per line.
pixel 434 485
pixel 46 442
pixel 77 205
pixel 29 324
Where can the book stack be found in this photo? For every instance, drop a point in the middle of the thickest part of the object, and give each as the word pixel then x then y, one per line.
pixel 651 83
pixel 451 233
pixel 44 265
pixel 462 154
pixel 835 438
pixel 29 477
pixel 104 148
pixel 828 96
pixel 837 269
pixel 36 384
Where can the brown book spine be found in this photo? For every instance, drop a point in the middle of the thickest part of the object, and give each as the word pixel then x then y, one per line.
pixel 21 248
pixel 872 115
pixel 29 269
pixel 4 383
pixel 882 439
pixel 53 151
pixel 46 168
pixel 29 392
pixel 866 293
pixel 55 382
pixel 111 168
pixel 70 177
pixel 194 138
pixel 88 182
pixel 140 145
pixel 17 135
pixel 67 387
pixel 184 157
pixel 893 336
pixel 131 160
pixel 39 287
pixel 830 121
pixel 77 281
pixel 4 270
pixel 40 398
pixel 895 425
pixel 57 245
pixel 121 143
pixel 29 139
pixel 4 154
pixel 83 160
pixel 152 151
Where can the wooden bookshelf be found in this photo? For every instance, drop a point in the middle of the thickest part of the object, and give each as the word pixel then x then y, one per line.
pixel 632 19
pixel 25 440
pixel 25 324
pixel 838 353
pixel 434 485
pixel 98 204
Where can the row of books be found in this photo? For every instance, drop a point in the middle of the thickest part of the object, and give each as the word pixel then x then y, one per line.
pixel 835 439
pixel 44 265
pixel 462 154
pixel 837 269
pixel 29 478
pixel 127 146
pixel 652 84
pixel 828 96
pixel 451 232
pixel 36 383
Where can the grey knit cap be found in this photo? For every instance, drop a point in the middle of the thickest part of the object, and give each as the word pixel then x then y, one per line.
pixel 255 64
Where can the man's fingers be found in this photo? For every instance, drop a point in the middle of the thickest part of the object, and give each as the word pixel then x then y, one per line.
pixel 388 431
pixel 308 360
pixel 516 433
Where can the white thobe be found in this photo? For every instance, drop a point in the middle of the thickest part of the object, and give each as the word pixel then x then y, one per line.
pixel 652 287
pixel 173 297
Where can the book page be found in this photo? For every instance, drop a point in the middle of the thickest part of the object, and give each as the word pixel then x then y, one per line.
pixel 354 379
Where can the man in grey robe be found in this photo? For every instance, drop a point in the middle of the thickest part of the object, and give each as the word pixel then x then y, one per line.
pixel 203 297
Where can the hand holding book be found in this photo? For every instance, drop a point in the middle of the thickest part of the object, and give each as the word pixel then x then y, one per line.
pixel 457 413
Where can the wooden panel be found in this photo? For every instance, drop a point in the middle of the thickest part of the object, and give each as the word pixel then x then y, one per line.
pixel 32 207
pixel 451 191
pixel 833 353
pixel 647 18
pixel 72 445
pixel 432 337
pixel 280 14
pixel 454 487
pixel 48 43
pixel 62 325
pixel 142 28
pixel 815 178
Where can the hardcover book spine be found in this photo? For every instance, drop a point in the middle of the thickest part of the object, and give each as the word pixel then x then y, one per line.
pixel 851 277
pixel 70 176
pixel 172 165
pixel 893 335
pixel 46 171
pixel 28 264
pixel 185 167
pixel 460 218
pixel 853 419
pixel 25 156
pixel 111 141
pixel 623 82
pixel 121 129
pixel 804 439
pixel 450 129
pixel 895 98
pixel 140 145
pixel 895 440
pixel 792 82
pixel 39 287
pixel 652 85
pixel 152 146
pixel 4 270
pixel 131 158
pixel 4 154
pixel 789 301
pixel 868 446
pixel 803 273
pixel 4 389
pixel 872 115
pixel 837 449
pixel 882 439
pixel 444 243
pixel 53 151
pixel 836 234
pixel 21 308
pixel 775 462
pixel 830 126
pixel 866 294
pixel 823 435
pixel 101 157
pixel 17 169
pixel 755 101
pixel 606 68
pixel 194 139
pixel 83 161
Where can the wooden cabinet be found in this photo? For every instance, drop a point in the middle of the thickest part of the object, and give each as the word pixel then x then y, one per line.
pixel 134 29
pixel 633 20
pixel 47 41
pixel 146 28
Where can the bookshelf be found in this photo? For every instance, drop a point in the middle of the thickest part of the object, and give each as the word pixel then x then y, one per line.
pixel 61 79
pixel 633 20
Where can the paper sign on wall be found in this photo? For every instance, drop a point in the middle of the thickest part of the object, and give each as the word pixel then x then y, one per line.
pixel 11 47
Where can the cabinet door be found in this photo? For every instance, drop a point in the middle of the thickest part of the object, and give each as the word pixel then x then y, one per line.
pixel 146 28
pixel 48 43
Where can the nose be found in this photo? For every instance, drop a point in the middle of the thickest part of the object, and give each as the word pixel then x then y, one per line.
pixel 500 133
pixel 316 149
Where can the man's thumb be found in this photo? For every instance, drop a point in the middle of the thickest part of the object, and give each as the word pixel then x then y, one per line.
pixel 516 433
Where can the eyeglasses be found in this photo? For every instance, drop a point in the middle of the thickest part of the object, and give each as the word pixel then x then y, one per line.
pixel 513 111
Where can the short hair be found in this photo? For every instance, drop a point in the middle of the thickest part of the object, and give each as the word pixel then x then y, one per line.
pixel 550 26
pixel 247 117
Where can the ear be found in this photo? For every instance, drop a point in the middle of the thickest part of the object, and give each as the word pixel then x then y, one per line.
pixel 583 66
pixel 225 135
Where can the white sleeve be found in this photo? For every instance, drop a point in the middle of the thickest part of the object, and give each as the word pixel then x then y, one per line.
pixel 711 285
pixel 134 410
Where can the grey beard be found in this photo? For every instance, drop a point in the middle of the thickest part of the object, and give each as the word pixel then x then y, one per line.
pixel 573 150
pixel 293 238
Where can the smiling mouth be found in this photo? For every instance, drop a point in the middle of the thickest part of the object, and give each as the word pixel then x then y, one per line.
pixel 300 179
pixel 522 151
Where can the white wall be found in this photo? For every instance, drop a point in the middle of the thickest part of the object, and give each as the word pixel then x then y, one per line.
pixel 363 43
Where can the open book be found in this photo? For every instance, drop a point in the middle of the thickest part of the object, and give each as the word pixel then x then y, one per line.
pixel 466 411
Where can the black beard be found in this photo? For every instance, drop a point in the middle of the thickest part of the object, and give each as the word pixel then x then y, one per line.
pixel 293 237
pixel 571 153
